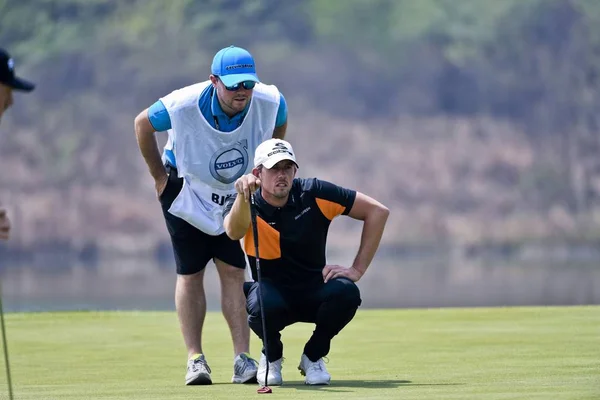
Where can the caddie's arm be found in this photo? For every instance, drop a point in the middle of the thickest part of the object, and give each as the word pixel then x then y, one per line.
pixel 144 132
pixel 375 215
pixel 281 121
pixel 279 131
pixel 237 218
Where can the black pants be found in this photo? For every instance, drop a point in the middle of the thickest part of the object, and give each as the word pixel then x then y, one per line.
pixel 192 248
pixel 330 306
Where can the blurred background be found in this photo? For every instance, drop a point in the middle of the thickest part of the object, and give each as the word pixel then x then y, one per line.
pixel 477 122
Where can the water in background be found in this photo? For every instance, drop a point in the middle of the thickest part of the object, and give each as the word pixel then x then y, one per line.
pixel 145 284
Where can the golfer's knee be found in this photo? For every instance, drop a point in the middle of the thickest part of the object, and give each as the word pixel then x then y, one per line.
pixel 346 292
pixel 273 314
pixel 272 309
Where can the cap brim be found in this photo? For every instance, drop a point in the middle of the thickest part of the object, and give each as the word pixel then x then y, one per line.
pixel 230 80
pixel 270 163
pixel 20 84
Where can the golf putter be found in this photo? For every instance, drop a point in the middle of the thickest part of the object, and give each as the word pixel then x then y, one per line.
pixel 266 388
pixel 10 392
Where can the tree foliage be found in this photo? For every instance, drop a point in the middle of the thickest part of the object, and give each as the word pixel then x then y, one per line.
pixel 98 62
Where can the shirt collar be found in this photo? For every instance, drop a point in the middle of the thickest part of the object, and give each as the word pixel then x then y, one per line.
pixel 217 111
pixel 268 209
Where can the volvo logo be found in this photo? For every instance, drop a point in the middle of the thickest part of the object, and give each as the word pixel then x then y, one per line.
pixel 229 163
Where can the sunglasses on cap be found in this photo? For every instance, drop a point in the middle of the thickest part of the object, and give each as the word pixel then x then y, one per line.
pixel 248 85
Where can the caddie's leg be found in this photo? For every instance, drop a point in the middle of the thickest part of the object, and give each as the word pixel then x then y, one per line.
pixel 231 265
pixel 233 305
pixel 192 252
pixel 337 302
pixel 190 301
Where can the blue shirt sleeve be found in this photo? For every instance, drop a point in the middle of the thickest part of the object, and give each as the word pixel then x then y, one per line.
pixel 281 112
pixel 159 117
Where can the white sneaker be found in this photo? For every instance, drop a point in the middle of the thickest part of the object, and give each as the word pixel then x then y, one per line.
pixel 198 371
pixel 315 372
pixel 274 378
pixel 244 369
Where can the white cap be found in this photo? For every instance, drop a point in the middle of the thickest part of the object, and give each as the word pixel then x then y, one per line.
pixel 271 151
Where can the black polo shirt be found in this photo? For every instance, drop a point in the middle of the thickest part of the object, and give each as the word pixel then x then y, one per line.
pixel 292 239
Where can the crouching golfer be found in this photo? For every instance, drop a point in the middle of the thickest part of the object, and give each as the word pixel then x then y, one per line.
pixel 293 217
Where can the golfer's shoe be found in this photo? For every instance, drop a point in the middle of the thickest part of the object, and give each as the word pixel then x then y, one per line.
pixel 198 371
pixel 244 369
pixel 274 378
pixel 315 372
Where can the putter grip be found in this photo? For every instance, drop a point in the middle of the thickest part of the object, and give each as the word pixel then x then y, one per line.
pixel 254 224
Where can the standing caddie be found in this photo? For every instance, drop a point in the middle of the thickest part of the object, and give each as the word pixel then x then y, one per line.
pixel 213 130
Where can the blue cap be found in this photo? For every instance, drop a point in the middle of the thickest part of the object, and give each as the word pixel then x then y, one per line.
pixel 234 65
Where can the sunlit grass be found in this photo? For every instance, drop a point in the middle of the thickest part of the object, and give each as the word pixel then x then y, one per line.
pixel 480 353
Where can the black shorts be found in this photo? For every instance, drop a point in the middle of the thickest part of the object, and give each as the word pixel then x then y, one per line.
pixel 193 248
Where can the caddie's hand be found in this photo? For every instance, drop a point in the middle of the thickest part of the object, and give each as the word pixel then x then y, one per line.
pixel 337 271
pixel 246 185
pixel 4 225
pixel 161 184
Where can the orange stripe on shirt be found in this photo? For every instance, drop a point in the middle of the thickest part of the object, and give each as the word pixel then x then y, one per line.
pixel 330 209
pixel 268 241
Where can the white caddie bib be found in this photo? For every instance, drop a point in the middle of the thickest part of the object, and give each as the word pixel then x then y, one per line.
pixel 210 161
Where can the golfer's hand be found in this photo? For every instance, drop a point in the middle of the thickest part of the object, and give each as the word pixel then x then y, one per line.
pixel 160 185
pixel 4 225
pixel 337 271
pixel 246 185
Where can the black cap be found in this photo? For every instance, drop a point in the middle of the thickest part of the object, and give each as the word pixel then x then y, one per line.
pixel 7 74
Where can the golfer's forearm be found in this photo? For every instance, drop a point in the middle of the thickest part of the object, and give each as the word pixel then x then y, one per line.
pixel 146 140
pixel 236 223
pixel 374 224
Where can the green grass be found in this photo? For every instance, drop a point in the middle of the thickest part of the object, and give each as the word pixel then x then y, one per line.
pixel 478 353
